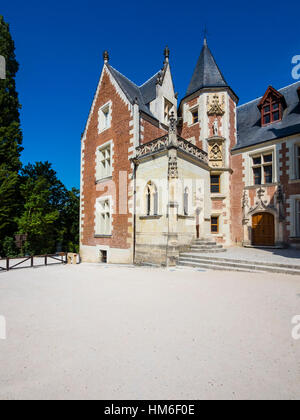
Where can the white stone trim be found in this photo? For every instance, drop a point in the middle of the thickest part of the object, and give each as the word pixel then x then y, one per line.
pixel 291 154
pixel 99 200
pixel 98 149
pixel 292 201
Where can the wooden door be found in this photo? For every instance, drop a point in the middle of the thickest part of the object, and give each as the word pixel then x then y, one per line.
pixel 263 232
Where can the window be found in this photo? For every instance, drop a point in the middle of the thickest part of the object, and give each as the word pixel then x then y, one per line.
pixel 298 161
pixel 271 111
pixel 104 117
pixel 195 116
pixel 298 218
pixel 104 167
pixel 186 202
pixel 151 199
pixel 215 184
pixel 262 167
pixel 214 223
pixel 167 111
pixel 103 217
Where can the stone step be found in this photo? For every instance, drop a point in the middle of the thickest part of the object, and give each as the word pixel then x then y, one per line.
pixel 204 251
pixel 201 242
pixel 183 264
pixel 206 246
pixel 234 260
pixel 234 265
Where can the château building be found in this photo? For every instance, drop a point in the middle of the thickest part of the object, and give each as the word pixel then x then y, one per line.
pixel 157 174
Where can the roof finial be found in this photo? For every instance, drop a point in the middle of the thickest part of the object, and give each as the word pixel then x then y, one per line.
pixel 205 33
pixel 106 57
pixel 166 54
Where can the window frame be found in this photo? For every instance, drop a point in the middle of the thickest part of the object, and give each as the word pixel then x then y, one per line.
pixel 192 111
pixel 104 123
pixel 215 224
pixel 297 163
pixel 99 212
pixel 270 102
pixel 297 217
pixel 214 184
pixel 99 171
pixel 262 165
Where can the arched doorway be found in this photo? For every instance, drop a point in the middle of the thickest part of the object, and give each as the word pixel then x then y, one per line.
pixel 263 230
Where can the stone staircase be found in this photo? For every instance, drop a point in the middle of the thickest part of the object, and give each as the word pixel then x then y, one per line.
pixel 200 257
pixel 205 246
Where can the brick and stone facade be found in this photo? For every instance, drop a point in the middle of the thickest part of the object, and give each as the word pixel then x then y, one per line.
pixel 154 176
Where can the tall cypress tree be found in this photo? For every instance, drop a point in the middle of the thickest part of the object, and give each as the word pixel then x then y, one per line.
pixel 10 136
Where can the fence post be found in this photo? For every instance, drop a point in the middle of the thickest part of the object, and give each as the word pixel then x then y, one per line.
pixel 7 264
pixel 45 259
pixel 32 261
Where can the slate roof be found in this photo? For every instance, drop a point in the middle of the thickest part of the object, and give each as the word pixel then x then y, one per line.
pixel 144 94
pixel 206 73
pixel 250 131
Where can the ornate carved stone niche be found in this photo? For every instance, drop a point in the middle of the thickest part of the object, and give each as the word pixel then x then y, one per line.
pixel 216 151
pixel 215 105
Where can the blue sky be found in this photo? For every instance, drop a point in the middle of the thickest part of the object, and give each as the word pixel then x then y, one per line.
pixel 59 47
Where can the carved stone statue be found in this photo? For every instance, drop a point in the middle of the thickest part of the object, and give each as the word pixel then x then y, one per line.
pixel 216 127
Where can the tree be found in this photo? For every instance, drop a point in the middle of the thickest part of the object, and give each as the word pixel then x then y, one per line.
pixel 70 221
pixel 43 196
pixel 10 137
pixel 50 214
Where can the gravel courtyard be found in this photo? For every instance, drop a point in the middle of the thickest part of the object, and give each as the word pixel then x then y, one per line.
pixel 92 331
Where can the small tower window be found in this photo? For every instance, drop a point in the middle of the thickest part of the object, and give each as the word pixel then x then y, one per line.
pixel 195 116
pixel 215 181
pixel 214 223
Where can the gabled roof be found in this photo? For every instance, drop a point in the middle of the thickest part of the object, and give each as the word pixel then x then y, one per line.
pixel 274 93
pixel 132 91
pixel 206 73
pixel 250 131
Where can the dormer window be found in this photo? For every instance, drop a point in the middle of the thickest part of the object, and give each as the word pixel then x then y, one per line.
pixel 271 106
pixel 271 112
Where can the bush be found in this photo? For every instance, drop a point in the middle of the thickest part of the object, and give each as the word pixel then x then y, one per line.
pixel 9 247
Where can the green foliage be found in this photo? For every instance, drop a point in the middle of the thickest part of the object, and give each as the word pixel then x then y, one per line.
pixel 9 247
pixel 47 214
pixel 10 135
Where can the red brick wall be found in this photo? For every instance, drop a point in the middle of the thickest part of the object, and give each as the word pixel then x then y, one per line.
pixel 188 131
pixel 151 131
pixel 119 133
pixel 236 194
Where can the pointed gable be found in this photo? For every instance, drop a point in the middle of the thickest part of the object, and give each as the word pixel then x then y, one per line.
pixel 206 73
pixel 273 93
